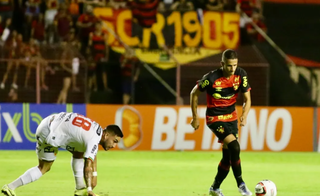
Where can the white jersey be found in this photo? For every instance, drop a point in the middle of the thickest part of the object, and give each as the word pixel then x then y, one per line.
pixel 74 132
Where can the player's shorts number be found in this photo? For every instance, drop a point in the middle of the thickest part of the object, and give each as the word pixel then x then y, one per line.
pixel 81 121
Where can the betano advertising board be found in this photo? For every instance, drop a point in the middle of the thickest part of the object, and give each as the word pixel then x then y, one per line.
pixel 167 128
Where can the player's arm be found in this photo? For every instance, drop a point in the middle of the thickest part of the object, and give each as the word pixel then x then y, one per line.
pixel 194 100
pixel 246 107
pixel 87 172
pixel 94 174
pixel 194 105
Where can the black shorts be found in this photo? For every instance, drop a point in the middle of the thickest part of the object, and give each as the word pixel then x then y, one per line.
pixel 223 129
pixel 126 86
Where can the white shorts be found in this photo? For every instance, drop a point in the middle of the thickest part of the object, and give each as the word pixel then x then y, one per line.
pixel 45 151
pixel 75 66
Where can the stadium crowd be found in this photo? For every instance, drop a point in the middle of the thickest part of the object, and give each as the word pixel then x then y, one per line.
pixel 30 28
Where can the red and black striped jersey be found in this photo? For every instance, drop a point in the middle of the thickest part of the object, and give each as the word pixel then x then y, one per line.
pixel 98 46
pixel 222 92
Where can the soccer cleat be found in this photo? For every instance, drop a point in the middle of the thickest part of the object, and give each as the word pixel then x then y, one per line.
pixel 81 192
pixel 7 191
pixel 215 192
pixel 243 189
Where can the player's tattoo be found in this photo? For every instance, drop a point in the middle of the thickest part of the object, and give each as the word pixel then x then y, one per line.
pixel 88 172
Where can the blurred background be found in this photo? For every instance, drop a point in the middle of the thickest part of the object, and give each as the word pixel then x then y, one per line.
pixel 154 51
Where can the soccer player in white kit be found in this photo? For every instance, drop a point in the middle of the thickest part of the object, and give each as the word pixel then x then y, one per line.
pixel 80 136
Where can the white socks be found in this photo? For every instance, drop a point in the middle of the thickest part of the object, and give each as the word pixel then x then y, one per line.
pixel 30 175
pixel 77 168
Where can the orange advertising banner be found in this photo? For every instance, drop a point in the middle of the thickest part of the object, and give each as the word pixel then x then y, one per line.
pixel 154 127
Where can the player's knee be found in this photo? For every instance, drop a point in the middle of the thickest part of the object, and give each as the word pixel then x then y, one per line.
pixel 234 148
pixel 44 168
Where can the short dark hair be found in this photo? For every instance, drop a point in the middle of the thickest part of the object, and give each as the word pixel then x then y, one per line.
pixel 229 54
pixel 114 129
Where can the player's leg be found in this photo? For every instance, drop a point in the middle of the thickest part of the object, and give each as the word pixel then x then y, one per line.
pixel 46 155
pixel 223 168
pixel 64 92
pixel 28 72
pixel 31 174
pixel 5 76
pixel 77 164
pixel 224 165
pixel 15 76
pixel 234 149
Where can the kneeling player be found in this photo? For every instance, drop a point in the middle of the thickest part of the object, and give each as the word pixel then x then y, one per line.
pixel 77 134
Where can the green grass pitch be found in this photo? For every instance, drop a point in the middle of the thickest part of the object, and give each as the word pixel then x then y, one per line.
pixel 167 173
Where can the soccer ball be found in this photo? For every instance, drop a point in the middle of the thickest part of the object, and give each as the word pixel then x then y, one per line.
pixel 266 188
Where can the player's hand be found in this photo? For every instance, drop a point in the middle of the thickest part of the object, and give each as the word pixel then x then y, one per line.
pixel 243 121
pixel 195 123
pixel 90 193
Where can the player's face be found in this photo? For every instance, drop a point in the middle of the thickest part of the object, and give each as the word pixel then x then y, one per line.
pixel 110 141
pixel 229 66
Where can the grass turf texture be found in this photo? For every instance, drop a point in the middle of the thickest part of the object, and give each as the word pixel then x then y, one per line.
pixel 167 173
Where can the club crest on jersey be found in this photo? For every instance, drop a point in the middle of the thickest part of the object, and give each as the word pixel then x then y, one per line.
pixel 220 129
pixel 236 83
pixel 218 83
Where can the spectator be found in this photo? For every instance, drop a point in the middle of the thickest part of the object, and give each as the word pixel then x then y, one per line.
pixel 52 10
pixel 258 20
pixel 86 24
pixel 92 79
pixel 63 23
pixel 32 7
pixel 27 25
pixel 130 72
pixel 246 6
pixel 38 29
pixel 182 5
pixel 144 12
pixel 67 71
pixel 74 11
pixel 32 59
pixel 13 45
pixel 214 5
pixel 6 9
pixel 75 44
pixel 100 52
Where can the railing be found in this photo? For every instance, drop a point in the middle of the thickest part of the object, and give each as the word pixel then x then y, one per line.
pixel 44 76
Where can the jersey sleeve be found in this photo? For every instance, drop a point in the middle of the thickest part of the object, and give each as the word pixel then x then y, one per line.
pixel 245 86
pixel 204 83
pixel 92 145
pixel 91 151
